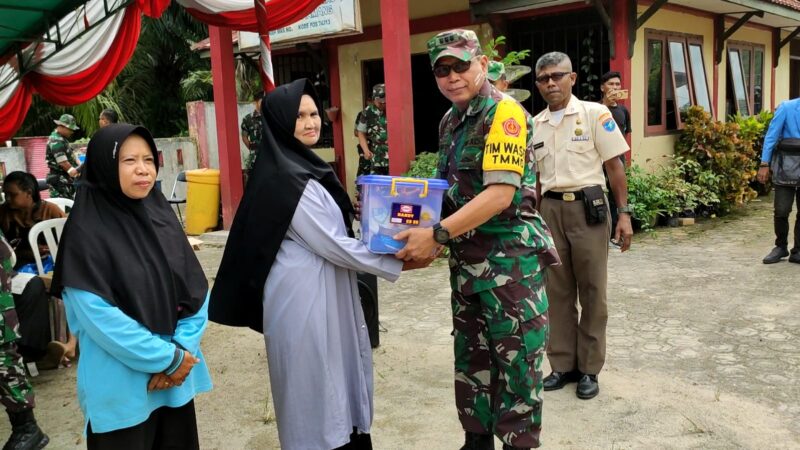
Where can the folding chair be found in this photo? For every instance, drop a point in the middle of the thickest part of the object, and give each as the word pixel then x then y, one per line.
pixel 173 198
pixel 52 230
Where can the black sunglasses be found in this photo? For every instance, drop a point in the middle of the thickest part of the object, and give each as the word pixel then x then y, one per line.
pixel 443 70
pixel 556 76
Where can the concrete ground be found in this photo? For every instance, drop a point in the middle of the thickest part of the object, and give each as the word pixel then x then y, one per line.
pixel 702 353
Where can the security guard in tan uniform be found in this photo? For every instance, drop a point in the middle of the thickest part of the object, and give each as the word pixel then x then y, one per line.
pixel 572 142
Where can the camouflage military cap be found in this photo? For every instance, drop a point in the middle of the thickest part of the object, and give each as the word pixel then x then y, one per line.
pixel 68 121
pixel 379 91
pixel 461 44
pixel 496 70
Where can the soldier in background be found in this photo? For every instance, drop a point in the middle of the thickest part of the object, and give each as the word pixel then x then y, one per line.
pixel 60 160
pixel 499 247
pixel 251 131
pixel 372 135
pixel 364 165
pixel 16 392
pixel 497 75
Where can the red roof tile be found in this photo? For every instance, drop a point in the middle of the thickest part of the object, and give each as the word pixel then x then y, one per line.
pixel 793 4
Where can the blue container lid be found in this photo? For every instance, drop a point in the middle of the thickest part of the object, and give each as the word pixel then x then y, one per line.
pixel 386 180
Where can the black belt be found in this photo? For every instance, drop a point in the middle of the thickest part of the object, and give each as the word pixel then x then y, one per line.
pixel 565 196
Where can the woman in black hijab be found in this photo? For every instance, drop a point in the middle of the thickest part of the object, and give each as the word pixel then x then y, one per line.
pixel 289 270
pixel 135 297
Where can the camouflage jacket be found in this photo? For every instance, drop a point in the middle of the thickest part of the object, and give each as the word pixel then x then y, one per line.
pixel 9 323
pixel 373 124
pixel 57 152
pixel 515 243
pixel 251 126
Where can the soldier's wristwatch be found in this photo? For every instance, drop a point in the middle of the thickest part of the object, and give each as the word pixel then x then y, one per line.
pixel 627 209
pixel 441 234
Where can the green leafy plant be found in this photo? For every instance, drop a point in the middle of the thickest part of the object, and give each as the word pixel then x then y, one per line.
pixel 424 166
pixel 510 58
pixel 645 196
pixel 755 128
pixel 720 148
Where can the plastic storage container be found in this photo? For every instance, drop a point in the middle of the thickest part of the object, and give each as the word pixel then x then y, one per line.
pixel 202 200
pixel 393 204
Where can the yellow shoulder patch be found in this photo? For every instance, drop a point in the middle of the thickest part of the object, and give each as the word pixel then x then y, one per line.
pixel 505 145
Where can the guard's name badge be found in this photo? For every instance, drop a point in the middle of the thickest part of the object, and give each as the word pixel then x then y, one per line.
pixel 580 138
pixel 505 145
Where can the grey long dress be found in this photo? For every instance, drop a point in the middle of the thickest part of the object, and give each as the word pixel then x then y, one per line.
pixel 320 360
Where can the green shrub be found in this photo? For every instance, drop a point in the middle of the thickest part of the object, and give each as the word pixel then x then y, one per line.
pixel 755 128
pixel 720 148
pixel 645 196
pixel 424 166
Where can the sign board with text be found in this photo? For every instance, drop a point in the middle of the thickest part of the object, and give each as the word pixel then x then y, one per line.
pixel 331 18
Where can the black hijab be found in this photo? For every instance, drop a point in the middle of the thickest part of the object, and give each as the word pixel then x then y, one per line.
pixel 283 167
pixel 133 253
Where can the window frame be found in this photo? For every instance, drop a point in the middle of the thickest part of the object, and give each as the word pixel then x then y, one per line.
pixel 686 40
pixel 749 78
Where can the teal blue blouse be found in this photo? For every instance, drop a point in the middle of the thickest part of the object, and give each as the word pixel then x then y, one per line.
pixel 118 357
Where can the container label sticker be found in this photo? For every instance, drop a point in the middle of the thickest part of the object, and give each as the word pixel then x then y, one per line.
pixel 505 145
pixel 405 214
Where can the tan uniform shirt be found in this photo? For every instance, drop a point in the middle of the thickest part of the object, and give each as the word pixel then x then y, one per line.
pixel 570 155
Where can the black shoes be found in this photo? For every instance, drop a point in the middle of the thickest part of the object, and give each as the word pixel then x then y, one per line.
pixel 776 255
pixel 588 387
pixel 476 441
pixel 25 433
pixel 557 380
pixel 795 256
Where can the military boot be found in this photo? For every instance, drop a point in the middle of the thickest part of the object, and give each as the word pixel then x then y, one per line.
pixel 476 441
pixel 511 447
pixel 25 433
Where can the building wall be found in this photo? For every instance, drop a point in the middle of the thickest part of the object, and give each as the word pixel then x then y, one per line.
pixel 13 158
pixel 654 151
pixel 782 73
pixel 417 9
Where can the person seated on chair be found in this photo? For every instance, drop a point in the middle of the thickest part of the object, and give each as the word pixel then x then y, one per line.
pixel 23 209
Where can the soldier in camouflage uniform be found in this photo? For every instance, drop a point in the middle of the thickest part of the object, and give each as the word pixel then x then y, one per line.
pixel 497 75
pixel 16 392
pixel 364 165
pixel 499 248
pixel 60 160
pixel 371 129
pixel 251 131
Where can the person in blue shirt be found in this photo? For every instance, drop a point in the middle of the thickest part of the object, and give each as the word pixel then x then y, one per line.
pixel 136 298
pixel 781 156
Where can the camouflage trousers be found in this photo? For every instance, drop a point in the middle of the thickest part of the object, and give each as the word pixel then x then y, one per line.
pixel 16 392
pixel 499 338
pixel 63 189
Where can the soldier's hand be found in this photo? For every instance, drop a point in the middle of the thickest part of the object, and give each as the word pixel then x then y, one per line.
pixel 763 174
pixel 368 155
pixel 420 245
pixel 624 231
